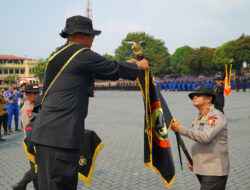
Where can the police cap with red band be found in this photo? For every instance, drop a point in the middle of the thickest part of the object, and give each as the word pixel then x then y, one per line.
pixel 32 88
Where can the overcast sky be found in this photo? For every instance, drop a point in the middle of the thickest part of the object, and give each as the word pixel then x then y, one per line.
pixel 32 28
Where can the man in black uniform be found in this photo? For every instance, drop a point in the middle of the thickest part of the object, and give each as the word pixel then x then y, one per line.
pixel 248 82
pixel 237 83
pixel 219 93
pixel 59 128
pixel 244 84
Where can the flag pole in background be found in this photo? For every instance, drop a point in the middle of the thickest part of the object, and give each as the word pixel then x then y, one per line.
pixel 227 80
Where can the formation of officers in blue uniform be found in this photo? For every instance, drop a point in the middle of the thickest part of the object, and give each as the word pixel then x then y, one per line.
pixel 190 84
pixel 184 84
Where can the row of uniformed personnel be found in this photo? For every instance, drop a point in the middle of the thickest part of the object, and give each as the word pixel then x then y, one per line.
pixel 184 85
pixel 120 85
pixel 192 84
pixel 173 85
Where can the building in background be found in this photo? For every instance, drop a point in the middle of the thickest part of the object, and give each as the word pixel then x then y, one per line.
pixel 19 66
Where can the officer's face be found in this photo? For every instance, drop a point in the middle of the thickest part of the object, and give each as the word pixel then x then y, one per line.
pixel 201 100
pixel 31 96
pixel 11 89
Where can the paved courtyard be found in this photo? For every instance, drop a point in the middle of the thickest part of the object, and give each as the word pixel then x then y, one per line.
pixel 117 117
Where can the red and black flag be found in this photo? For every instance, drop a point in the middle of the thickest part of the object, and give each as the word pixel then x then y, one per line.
pixel 158 120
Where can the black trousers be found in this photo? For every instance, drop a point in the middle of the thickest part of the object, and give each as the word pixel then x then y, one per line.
pixel 212 182
pixel 57 168
pixel 1 121
pixel 5 121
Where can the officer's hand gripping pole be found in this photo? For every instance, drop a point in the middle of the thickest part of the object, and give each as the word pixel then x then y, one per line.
pixel 181 143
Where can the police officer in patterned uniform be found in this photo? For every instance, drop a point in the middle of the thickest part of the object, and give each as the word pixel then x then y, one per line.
pixel 209 143
pixel 5 116
pixel 31 93
pixel 58 129
pixel 2 102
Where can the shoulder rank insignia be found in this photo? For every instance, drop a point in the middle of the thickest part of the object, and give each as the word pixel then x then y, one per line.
pixel 212 120
pixel 207 111
pixel 29 112
pixel 204 118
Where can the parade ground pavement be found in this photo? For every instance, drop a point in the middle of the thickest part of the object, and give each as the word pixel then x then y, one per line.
pixel 118 119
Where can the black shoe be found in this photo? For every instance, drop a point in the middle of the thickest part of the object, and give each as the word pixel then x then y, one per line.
pixel 9 130
pixel 16 128
pixel 19 186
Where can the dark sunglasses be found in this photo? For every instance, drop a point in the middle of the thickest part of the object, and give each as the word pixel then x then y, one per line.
pixel 198 95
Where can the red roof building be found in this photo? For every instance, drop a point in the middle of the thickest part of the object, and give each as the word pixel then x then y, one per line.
pixel 12 57
pixel 20 66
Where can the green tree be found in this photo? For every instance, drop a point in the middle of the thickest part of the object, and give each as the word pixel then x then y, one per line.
pixel 154 50
pixel 178 57
pixel 11 79
pixel 39 70
pixel 240 52
pixel 221 55
pixel 110 57
pixel 199 61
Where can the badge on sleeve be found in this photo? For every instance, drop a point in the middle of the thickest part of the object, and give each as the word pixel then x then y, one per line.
pixel 29 112
pixel 212 120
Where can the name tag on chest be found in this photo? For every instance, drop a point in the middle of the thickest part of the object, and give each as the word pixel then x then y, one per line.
pixel 201 126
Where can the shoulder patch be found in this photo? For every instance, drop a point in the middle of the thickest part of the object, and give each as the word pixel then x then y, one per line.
pixel 6 94
pixel 29 112
pixel 212 120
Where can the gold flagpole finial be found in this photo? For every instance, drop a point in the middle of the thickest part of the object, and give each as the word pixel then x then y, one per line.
pixel 136 46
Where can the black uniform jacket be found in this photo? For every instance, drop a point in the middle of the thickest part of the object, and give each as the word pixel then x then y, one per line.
pixel 60 122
